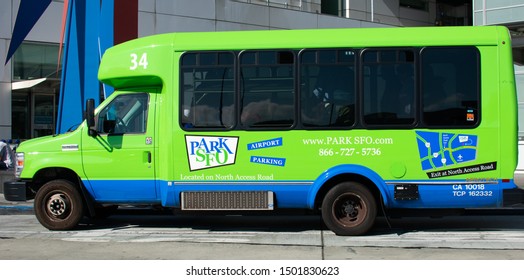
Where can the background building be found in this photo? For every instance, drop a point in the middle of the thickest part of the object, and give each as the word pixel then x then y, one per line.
pixel 30 81
pixel 511 14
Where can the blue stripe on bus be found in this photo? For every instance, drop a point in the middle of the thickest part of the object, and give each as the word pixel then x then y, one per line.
pixel 123 191
pixel 302 194
pixel 291 194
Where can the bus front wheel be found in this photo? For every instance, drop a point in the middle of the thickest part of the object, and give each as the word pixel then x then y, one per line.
pixel 58 205
pixel 349 208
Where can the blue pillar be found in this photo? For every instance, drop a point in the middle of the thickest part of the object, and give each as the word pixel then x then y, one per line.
pixel 89 32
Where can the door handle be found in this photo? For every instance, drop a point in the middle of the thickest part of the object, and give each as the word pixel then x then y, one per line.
pixel 146 157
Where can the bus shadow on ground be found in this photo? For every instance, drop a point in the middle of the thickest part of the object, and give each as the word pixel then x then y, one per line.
pixel 300 221
pixel 266 222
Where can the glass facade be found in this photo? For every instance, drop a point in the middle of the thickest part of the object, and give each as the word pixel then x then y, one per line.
pixel 415 4
pixel 497 12
pixel 35 97
pixel 33 60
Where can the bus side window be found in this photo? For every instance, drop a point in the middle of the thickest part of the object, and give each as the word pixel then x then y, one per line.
pixel 389 87
pixel 267 89
pixel 327 88
pixel 450 87
pixel 207 90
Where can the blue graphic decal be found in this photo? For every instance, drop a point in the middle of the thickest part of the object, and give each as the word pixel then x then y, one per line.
pixel 439 150
pixel 268 160
pixel 265 144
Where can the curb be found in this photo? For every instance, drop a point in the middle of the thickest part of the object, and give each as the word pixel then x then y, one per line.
pixel 16 209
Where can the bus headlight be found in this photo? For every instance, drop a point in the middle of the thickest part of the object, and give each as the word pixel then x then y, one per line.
pixel 19 164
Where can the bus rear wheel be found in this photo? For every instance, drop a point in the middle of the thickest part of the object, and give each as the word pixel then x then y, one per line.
pixel 58 205
pixel 349 208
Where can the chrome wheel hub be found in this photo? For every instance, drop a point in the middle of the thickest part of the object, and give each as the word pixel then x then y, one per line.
pixel 57 205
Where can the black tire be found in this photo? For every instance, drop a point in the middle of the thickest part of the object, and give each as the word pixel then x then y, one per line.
pixel 349 209
pixel 58 205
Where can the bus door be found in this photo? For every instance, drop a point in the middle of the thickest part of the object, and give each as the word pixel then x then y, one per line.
pixel 119 161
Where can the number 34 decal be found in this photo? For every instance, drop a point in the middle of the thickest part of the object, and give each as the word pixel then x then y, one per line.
pixel 136 63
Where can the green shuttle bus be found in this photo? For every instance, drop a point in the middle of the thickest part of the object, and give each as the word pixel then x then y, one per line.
pixel 352 123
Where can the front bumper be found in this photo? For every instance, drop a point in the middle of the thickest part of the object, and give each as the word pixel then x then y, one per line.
pixel 17 191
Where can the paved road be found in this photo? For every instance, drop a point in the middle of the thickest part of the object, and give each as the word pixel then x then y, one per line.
pixel 139 235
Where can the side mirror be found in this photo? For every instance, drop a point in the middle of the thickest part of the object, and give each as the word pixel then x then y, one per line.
pixel 90 116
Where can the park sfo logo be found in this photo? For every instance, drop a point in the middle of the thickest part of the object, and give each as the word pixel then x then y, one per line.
pixel 210 151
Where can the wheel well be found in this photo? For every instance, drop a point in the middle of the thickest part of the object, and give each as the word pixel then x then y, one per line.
pixel 349 177
pixel 53 173
pixel 45 175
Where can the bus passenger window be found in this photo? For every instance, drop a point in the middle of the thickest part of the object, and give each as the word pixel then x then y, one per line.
pixel 450 87
pixel 389 87
pixel 207 91
pixel 327 88
pixel 267 89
